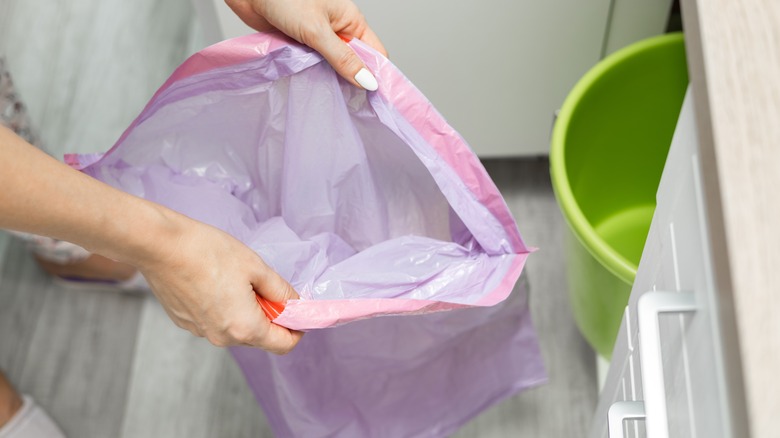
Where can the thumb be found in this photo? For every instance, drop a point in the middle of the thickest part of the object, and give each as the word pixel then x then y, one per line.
pixel 345 61
pixel 272 292
pixel 271 286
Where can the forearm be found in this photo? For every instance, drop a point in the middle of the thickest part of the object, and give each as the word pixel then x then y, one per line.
pixel 43 196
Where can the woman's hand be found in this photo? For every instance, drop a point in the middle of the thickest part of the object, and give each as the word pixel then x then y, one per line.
pixel 318 24
pixel 206 280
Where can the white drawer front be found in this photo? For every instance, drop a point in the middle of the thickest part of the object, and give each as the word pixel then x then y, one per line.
pixel 676 260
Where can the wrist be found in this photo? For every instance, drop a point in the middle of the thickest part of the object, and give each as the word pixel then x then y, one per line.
pixel 145 237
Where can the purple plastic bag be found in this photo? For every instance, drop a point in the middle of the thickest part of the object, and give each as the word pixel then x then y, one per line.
pixel 370 205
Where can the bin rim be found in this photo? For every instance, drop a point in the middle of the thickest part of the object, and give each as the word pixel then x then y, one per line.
pixel 581 227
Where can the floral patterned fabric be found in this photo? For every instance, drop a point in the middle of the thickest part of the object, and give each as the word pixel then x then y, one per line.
pixel 13 113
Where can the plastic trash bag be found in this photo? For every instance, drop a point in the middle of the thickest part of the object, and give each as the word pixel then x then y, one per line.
pixel 370 205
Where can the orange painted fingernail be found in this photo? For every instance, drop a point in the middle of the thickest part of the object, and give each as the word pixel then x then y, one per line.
pixel 344 38
pixel 272 310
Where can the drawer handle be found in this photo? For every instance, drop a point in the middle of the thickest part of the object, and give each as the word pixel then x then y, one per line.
pixel 621 411
pixel 649 307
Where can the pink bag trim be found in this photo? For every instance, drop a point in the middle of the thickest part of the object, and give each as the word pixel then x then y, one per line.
pixel 315 314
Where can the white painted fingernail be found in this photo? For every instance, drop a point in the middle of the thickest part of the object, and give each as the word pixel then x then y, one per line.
pixel 366 80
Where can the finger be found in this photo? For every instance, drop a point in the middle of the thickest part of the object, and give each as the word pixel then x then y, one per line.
pixel 279 340
pixel 250 327
pixel 344 60
pixel 272 286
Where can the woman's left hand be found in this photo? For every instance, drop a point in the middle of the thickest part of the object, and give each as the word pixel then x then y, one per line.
pixel 318 24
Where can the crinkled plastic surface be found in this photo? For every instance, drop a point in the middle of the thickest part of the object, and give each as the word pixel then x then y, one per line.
pixel 370 204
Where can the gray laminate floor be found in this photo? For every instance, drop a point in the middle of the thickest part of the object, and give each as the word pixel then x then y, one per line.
pixel 112 365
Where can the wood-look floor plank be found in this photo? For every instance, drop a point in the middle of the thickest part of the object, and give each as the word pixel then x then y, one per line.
pixel 182 386
pixel 79 358
pixel 5 239
pixel 22 293
pixel 69 348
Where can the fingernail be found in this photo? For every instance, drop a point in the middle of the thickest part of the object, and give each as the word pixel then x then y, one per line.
pixel 366 80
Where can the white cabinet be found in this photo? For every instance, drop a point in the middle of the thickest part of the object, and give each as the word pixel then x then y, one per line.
pixel 669 338
pixel 497 70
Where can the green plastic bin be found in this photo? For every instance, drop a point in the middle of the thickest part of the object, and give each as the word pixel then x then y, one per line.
pixel 609 146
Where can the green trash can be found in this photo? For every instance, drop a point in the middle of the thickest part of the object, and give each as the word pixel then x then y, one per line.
pixel 609 146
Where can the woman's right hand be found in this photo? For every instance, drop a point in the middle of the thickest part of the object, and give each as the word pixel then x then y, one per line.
pixel 206 280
